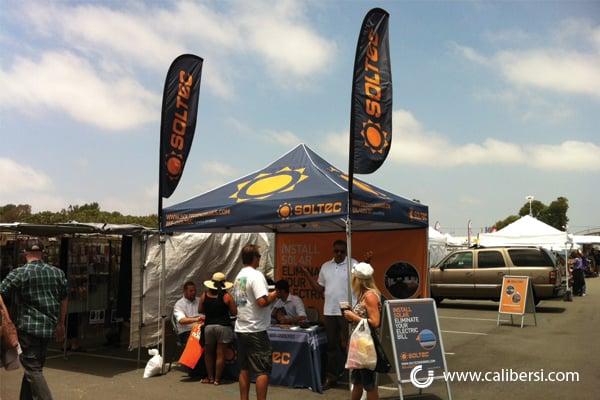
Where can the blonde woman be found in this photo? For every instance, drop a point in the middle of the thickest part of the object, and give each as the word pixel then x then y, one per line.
pixel 368 306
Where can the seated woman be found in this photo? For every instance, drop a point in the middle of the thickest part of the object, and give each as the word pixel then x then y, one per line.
pixel 218 306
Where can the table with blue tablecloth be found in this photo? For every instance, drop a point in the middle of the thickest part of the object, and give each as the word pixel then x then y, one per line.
pixel 298 357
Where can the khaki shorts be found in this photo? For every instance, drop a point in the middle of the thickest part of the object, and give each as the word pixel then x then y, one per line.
pixel 214 334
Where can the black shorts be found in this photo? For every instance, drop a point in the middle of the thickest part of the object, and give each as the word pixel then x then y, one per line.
pixel 255 353
pixel 363 377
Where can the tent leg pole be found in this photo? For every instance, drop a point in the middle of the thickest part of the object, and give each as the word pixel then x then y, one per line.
pixel 349 261
pixel 141 294
pixel 162 301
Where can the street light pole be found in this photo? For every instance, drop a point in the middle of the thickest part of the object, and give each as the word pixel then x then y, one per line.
pixel 530 199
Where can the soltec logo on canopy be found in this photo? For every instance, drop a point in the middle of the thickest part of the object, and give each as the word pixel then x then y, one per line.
pixel 287 210
pixel 265 185
pixel 415 215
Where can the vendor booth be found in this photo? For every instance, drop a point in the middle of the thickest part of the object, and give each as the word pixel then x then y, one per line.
pixel 303 200
pixel 97 259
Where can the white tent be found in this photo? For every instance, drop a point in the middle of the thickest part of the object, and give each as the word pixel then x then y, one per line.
pixel 527 231
pixel 457 241
pixel 586 239
pixel 437 246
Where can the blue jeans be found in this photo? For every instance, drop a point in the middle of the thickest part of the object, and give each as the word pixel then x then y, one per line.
pixel 33 385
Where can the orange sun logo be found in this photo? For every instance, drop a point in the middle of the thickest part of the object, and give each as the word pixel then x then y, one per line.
pixel 284 211
pixel 174 163
pixel 375 139
pixel 265 185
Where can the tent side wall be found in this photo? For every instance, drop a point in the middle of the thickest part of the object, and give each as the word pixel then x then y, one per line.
pixel 190 257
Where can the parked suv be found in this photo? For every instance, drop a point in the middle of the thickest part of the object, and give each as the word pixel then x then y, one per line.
pixel 477 273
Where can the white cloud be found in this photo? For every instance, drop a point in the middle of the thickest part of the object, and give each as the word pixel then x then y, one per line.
pixel 23 184
pixel 66 82
pixel 15 177
pixel 212 174
pixel 509 35
pixel 218 169
pixel 284 138
pixel 417 146
pixel 104 29
pixel 469 54
pixel 578 32
pixel 560 71
pixel 528 105
pixel 567 64
pixel 570 155
pixel 277 32
pixel 275 36
pixel 414 145
pixel 238 126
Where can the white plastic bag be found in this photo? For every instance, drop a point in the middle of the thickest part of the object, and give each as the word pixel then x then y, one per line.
pixel 154 365
pixel 9 358
pixel 361 351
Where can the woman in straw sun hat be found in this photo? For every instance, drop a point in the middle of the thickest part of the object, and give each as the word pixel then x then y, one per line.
pixel 218 306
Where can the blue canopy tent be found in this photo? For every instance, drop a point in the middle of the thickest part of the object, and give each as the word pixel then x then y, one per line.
pixel 299 192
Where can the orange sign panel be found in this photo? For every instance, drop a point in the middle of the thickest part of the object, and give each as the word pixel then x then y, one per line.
pixel 399 260
pixel 513 298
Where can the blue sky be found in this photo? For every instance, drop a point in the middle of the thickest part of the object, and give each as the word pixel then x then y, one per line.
pixel 492 101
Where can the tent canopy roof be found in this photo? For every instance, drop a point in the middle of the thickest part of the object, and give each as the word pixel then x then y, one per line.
pixel 528 226
pixel 299 192
pixel 526 231
pixel 436 236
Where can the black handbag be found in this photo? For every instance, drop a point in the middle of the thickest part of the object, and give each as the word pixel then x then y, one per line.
pixel 383 365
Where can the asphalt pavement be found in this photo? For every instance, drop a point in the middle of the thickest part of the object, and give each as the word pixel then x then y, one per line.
pixel 565 340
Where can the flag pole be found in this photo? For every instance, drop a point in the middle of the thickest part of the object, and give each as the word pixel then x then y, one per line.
pixel 177 125
pixel 161 240
pixel 349 224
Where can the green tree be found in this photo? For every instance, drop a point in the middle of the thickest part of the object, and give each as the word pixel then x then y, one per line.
pixel 537 207
pixel 556 213
pixel 14 213
pixel 506 221
pixel 81 213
